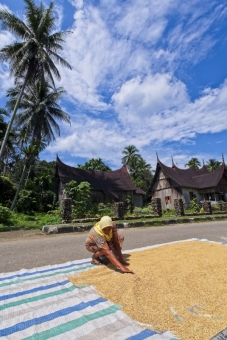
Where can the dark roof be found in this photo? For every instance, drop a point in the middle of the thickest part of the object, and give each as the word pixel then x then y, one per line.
pixel 191 177
pixel 109 182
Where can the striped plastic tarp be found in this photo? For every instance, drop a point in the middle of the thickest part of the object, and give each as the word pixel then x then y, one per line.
pixel 42 303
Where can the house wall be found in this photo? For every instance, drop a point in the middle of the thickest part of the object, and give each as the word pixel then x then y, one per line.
pixel 100 197
pixel 186 194
pixel 166 190
pixel 138 200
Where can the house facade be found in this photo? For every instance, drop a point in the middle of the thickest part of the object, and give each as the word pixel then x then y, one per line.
pixel 106 186
pixel 172 182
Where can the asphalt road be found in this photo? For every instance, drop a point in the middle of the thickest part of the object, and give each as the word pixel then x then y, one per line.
pixel 41 250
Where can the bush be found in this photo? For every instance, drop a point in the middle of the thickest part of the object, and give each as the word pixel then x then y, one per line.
pixel 169 212
pixel 194 206
pixel 27 202
pixel 7 191
pixel 48 200
pixel 81 198
pixel 143 211
pixel 104 210
pixel 5 215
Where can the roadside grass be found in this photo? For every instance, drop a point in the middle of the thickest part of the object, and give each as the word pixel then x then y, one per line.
pixel 38 220
pixel 29 222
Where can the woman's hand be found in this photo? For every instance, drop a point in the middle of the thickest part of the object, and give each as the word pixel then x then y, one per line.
pixel 125 270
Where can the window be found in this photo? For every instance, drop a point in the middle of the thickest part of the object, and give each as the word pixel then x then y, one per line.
pixel 192 195
pixel 168 200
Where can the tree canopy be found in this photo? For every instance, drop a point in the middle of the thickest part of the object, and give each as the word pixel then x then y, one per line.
pixel 95 164
pixel 212 164
pixel 193 162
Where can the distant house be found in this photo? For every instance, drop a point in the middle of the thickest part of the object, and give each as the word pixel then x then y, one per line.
pixel 171 182
pixel 106 186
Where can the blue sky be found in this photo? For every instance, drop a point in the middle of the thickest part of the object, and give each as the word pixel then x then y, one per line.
pixel 145 72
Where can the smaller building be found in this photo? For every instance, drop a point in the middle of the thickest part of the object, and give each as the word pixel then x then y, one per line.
pixel 106 186
pixel 172 182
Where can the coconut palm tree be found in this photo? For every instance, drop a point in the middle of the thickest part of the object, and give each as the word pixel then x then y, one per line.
pixel 30 152
pixel 212 165
pixel 10 145
pixel 130 152
pixel 193 162
pixel 36 51
pixel 39 111
pixel 38 115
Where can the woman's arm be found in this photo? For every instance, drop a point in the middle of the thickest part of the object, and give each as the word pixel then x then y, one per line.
pixel 117 245
pixel 112 258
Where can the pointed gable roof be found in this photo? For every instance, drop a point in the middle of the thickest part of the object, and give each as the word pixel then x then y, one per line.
pixel 191 177
pixel 107 181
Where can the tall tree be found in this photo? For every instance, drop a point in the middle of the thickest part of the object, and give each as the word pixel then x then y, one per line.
pixel 38 116
pixel 193 162
pixel 30 153
pixel 40 111
pixel 95 164
pixel 129 152
pixel 36 50
pixel 212 165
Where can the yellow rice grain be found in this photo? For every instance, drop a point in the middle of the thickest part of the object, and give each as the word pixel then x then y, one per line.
pixel 178 287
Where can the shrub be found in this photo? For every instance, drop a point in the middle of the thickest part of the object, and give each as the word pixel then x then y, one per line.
pixel 27 202
pixel 104 210
pixel 48 200
pixel 7 191
pixel 169 212
pixel 5 215
pixel 81 198
pixel 194 206
pixel 143 211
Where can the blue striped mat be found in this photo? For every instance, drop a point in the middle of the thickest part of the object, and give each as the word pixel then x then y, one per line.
pixel 42 303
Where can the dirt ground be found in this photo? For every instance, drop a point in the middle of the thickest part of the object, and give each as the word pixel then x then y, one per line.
pixel 15 235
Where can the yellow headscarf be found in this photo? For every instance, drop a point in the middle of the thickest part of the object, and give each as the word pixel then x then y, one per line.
pixel 105 221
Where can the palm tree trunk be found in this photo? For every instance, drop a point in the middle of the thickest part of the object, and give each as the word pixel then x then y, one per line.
pixel 29 170
pixel 6 163
pixel 12 118
pixel 19 186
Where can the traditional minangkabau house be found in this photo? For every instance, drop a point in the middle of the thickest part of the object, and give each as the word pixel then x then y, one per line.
pixel 106 186
pixel 171 182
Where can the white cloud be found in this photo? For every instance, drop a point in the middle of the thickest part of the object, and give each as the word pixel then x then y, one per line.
pixel 148 120
pixel 139 99
pixel 6 38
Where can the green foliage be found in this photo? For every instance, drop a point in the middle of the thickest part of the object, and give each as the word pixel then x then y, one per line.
pixel 201 210
pixel 71 190
pixel 5 215
pixel 143 211
pixel 81 198
pixel 83 202
pixel 95 164
pixel 104 210
pixel 7 191
pixel 193 162
pixel 28 202
pixel 169 212
pixel 139 170
pixel 212 165
pixel 48 200
pixel 194 206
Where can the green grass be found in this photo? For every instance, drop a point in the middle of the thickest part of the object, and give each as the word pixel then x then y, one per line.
pixel 38 220
pixel 27 222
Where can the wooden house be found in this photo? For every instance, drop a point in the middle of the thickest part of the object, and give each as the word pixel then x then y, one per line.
pixel 172 182
pixel 106 186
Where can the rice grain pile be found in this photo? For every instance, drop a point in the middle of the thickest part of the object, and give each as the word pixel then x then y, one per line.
pixel 178 287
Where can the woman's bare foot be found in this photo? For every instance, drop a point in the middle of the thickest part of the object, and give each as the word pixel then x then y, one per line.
pixel 95 261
